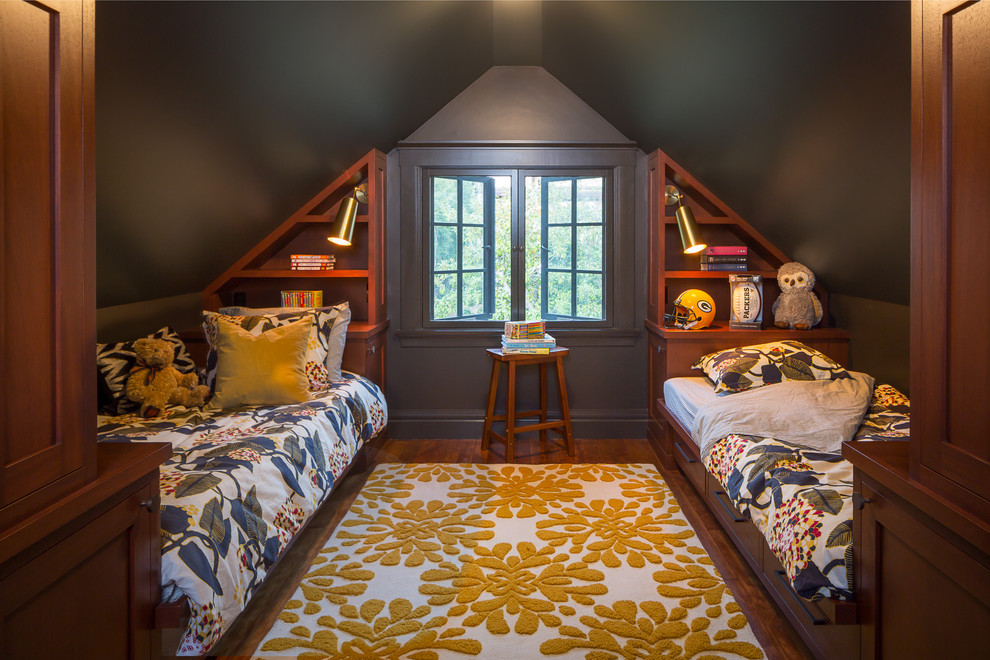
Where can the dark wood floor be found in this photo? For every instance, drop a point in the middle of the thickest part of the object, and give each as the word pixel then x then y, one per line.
pixel 770 627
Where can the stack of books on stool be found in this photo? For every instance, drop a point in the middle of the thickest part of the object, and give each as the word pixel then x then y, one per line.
pixel 526 338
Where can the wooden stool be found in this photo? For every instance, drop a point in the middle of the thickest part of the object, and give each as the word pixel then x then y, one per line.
pixel 562 426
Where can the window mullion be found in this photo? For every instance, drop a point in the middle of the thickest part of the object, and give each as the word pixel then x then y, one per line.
pixel 574 247
pixel 460 247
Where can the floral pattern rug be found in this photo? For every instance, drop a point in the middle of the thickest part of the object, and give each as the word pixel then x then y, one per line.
pixel 512 561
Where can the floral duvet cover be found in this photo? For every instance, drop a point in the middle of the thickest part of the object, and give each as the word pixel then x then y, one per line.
pixel 802 499
pixel 239 485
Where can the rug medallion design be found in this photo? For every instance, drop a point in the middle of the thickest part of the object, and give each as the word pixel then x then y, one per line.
pixel 512 561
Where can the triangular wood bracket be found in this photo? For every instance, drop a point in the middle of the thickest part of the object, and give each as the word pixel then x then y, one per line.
pixel 256 264
pixel 671 271
pixel 709 209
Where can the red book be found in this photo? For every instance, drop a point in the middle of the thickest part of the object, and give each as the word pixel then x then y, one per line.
pixel 726 249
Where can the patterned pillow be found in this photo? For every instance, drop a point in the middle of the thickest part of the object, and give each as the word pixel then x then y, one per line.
pixel 113 366
pixel 316 346
pixel 739 369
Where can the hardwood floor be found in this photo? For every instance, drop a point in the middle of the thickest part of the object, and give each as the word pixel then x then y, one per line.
pixel 770 627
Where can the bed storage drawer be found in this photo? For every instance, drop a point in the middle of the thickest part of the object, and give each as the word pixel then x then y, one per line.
pixel 688 460
pixel 812 621
pixel 747 536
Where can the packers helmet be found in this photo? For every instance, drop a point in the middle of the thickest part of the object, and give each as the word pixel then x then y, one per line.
pixel 693 309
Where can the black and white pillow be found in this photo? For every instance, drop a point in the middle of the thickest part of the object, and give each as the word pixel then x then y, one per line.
pixel 114 363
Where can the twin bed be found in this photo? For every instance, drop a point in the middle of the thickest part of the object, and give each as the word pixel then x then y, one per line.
pixel 242 482
pixel 767 462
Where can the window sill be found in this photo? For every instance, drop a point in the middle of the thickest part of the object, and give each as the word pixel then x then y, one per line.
pixel 489 338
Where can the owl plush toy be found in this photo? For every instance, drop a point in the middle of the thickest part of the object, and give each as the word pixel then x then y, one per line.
pixel 797 306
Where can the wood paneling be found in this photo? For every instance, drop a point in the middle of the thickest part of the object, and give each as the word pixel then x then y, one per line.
pixel 950 234
pixel 47 436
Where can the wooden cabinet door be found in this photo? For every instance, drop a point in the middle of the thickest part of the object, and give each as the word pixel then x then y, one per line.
pixel 950 304
pixel 922 592
pixel 92 594
pixel 47 253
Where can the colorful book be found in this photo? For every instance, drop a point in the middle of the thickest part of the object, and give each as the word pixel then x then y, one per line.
pixel 724 258
pixel 302 299
pixel 525 329
pixel 732 267
pixel 312 257
pixel 727 249
pixel 545 342
pixel 319 267
pixel 506 350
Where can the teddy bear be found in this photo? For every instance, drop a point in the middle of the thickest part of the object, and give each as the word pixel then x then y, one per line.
pixel 155 383
pixel 797 306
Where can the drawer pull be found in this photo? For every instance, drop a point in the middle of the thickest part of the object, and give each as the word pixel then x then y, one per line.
pixel 148 504
pixel 372 349
pixel 732 514
pixel 859 501
pixel 687 458
pixel 815 620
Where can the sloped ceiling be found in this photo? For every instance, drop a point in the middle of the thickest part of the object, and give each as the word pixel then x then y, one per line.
pixel 215 120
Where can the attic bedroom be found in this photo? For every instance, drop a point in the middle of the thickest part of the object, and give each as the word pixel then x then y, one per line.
pixel 494 328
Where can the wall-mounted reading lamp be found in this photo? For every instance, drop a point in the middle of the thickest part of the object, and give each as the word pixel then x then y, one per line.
pixel 342 228
pixel 688 226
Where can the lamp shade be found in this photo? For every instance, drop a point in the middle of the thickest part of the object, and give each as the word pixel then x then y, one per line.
pixel 342 228
pixel 690 236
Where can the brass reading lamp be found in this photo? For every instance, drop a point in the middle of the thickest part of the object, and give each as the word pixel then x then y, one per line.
pixel 688 226
pixel 342 229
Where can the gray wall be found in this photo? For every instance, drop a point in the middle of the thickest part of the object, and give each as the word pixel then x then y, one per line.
pixel 216 120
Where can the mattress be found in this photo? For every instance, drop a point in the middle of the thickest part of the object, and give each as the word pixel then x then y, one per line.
pixel 683 396
pixel 239 485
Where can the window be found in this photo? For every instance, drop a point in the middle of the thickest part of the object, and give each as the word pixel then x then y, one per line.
pixel 517 245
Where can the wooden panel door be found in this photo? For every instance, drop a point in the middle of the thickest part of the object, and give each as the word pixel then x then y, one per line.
pixel 950 305
pixel 47 253
pixel 921 590
pixel 92 594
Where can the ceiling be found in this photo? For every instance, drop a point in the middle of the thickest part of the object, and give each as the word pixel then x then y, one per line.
pixel 216 120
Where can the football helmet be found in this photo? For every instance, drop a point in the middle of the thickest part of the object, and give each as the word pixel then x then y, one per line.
pixel 694 309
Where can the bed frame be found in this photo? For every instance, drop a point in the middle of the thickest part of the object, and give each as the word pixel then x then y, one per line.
pixel 829 627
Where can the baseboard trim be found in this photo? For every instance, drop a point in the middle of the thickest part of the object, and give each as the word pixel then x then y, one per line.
pixel 467 423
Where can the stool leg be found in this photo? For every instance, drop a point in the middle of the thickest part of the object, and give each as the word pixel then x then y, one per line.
pixel 565 409
pixel 510 414
pixel 543 401
pixel 490 411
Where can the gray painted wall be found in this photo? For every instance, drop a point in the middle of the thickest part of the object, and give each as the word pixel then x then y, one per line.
pixel 216 120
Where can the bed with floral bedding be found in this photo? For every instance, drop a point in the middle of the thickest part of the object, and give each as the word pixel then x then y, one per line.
pixel 238 487
pixel 801 499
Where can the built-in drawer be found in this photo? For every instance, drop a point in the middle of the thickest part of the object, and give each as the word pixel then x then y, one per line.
pixel 746 535
pixel 688 460
pixel 827 639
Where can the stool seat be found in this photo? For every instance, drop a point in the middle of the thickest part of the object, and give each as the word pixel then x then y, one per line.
pixel 562 426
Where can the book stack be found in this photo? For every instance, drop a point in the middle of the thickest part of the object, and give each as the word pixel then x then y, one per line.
pixel 302 299
pixel 725 257
pixel 525 329
pixel 312 261
pixel 529 346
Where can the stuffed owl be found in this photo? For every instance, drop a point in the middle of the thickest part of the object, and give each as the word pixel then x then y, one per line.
pixel 797 306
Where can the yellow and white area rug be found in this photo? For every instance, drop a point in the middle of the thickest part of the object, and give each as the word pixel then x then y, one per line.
pixel 512 561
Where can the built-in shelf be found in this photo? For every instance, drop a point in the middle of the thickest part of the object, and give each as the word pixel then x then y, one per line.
pixel 307 274
pixel 716 274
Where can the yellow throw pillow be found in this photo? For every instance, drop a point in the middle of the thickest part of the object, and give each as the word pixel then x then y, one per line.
pixel 266 369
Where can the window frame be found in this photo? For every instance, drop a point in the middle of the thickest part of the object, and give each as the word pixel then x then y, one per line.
pixel 518 245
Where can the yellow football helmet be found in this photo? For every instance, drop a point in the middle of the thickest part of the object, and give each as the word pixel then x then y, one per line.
pixel 694 309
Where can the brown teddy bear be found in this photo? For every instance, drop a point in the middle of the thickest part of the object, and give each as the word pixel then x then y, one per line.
pixel 155 383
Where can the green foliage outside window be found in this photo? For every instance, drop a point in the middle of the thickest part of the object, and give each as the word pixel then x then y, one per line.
pixel 563 238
